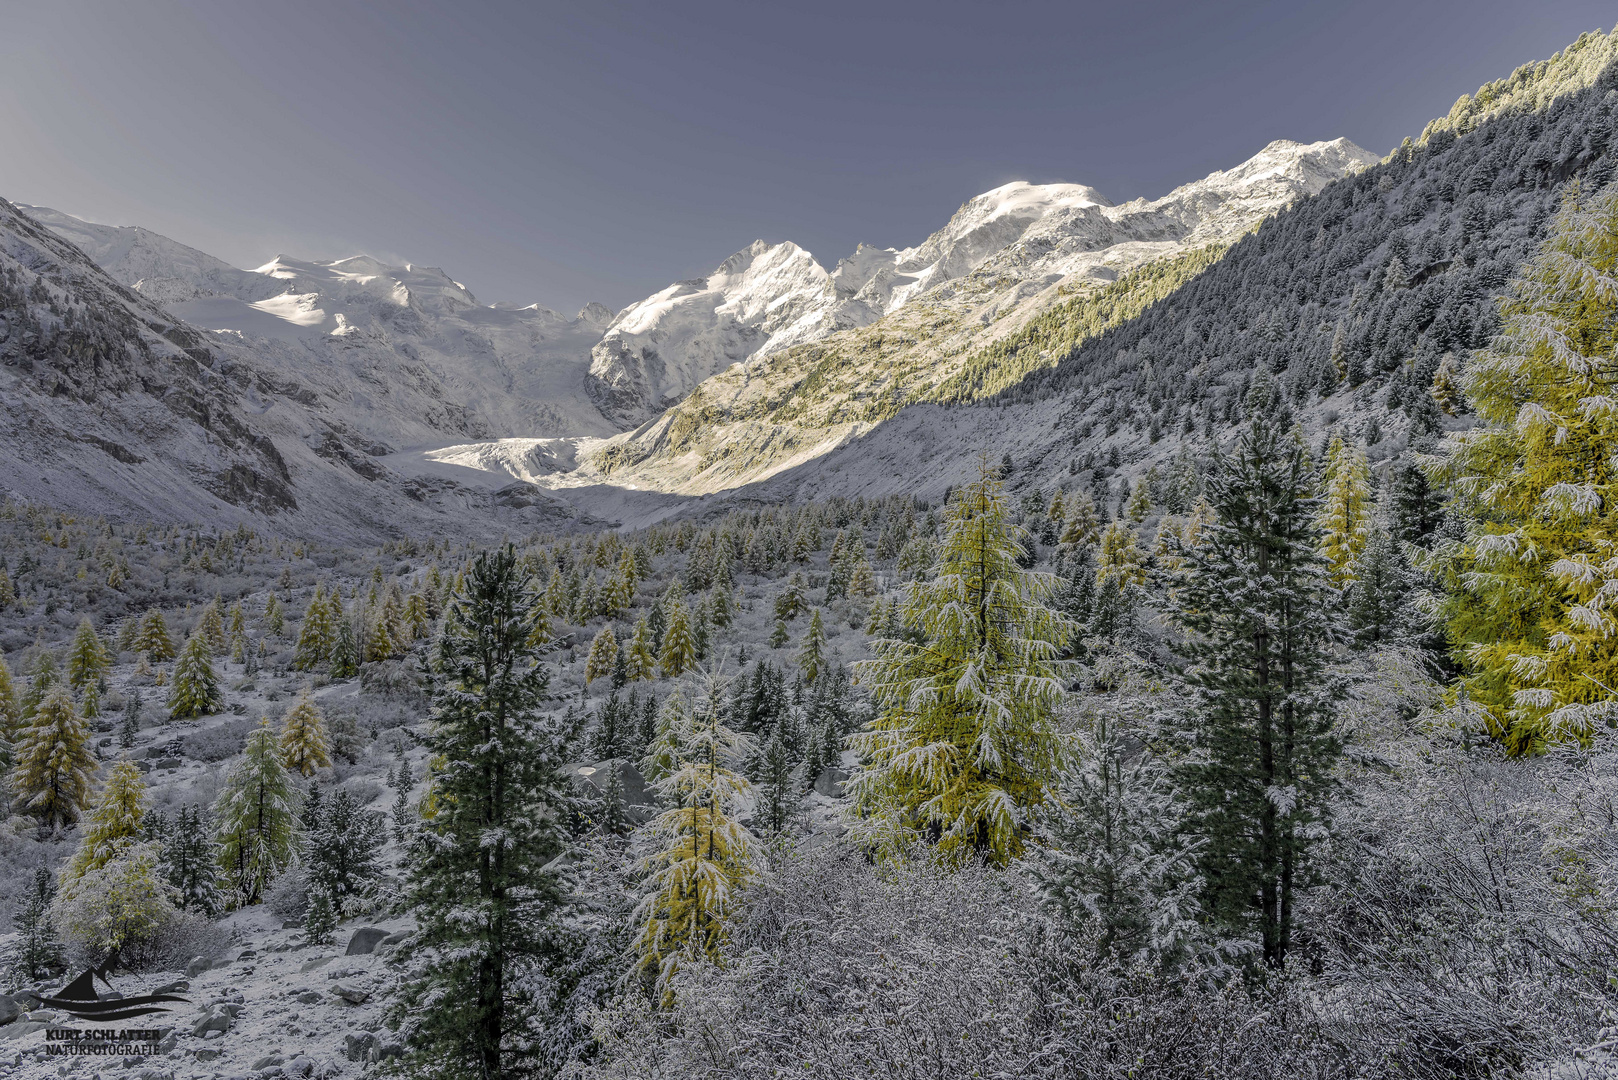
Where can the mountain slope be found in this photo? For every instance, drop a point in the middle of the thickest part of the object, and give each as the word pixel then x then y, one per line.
pixel 112 406
pixel 407 355
pixel 929 313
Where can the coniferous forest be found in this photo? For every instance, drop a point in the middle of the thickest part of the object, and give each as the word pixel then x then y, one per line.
pixel 1263 725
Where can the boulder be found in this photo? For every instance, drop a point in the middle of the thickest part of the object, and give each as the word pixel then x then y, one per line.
pixel 309 997
pixel 268 1061
pixel 213 1020
pixel 197 966
pixel 357 1045
pixel 352 994
pixel 9 1009
pixel 365 940
pixel 317 962
pixel 830 782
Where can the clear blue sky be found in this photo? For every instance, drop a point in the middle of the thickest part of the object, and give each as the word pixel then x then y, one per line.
pixel 598 150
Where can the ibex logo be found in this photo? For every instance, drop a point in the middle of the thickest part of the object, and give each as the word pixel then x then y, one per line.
pixel 79 999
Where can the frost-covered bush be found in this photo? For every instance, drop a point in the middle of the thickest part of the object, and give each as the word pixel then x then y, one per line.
pixel 122 906
pixel 218 742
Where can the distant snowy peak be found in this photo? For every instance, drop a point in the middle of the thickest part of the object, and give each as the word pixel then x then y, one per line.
pixel 764 298
pixel 1020 238
pixel 157 267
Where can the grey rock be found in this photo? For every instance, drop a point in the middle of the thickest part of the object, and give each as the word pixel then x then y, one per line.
pixel 197 966
pixel 319 961
pixel 392 1049
pixel 830 782
pixel 268 1061
pixel 213 1020
pixel 357 1045
pixel 394 938
pixel 208 1053
pixel 18 1028
pixel 299 1066
pixel 365 940
pixel 9 1009
pixel 351 994
pixel 169 763
pixel 309 997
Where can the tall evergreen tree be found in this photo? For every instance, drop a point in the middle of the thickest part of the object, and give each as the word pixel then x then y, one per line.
pixel 679 649
pixel 963 745
pixel 342 842
pixel 1118 866
pixel 1258 738
pixel 603 654
pixel 38 954
pixel 115 823
pixel 304 745
pixel 1532 589
pixel 11 719
pixel 195 689
pixel 812 656
pixel 1344 518
pixel 153 638
pixel 701 858
pixel 53 764
pixel 317 634
pixel 486 900
pixel 256 818
pixel 87 659
pixel 190 861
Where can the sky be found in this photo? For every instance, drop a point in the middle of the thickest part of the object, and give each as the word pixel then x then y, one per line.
pixel 564 153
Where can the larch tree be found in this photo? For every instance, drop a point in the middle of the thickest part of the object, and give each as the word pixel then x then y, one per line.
pixel 701 859
pixel 1531 602
pixel 481 878
pixel 603 654
pixel 963 746
pixel 257 818
pixel 812 655
pixel 152 637
pixel 1345 515
pixel 53 766
pixel 195 688
pixel 679 651
pixel 10 705
pixel 316 634
pixel 1120 559
pixel 641 660
pixel 1257 736
pixel 211 625
pixel 115 823
pixel 87 660
pixel 304 744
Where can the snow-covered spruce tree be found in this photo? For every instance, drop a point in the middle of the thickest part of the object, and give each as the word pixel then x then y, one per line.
pixel 1344 518
pixel 963 746
pixel 487 903
pixel 701 857
pixel 780 778
pixel 341 845
pixel 115 823
pixel 37 954
pixel 195 689
pixel 1532 589
pixel 1379 608
pixel 256 818
pixel 190 861
pixel 50 778
pixel 670 733
pixel 1257 735
pixel 304 745
pixel 153 637
pixel 345 652
pixel 1118 869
